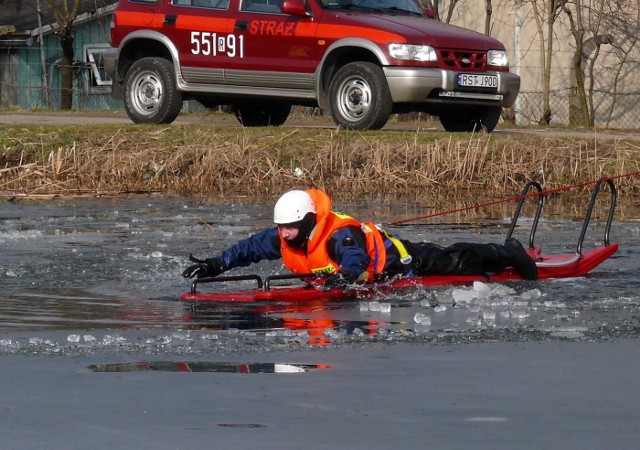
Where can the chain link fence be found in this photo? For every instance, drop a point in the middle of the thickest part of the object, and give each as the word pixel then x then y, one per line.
pixel 34 98
pixel 616 111
pixel 22 86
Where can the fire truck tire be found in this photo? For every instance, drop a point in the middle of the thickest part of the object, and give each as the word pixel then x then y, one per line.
pixel 150 91
pixel 261 114
pixel 359 97
pixel 473 119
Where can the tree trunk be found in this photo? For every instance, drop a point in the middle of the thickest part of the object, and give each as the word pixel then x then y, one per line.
pixel 579 106
pixel 66 72
pixel 450 9
pixel 546 87
pixel 487 18
pixel 65 15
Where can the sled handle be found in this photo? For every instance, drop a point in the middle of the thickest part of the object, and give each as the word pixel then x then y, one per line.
pixel 587 218
pixel 197 281
pixel 288 276
pixel 536 219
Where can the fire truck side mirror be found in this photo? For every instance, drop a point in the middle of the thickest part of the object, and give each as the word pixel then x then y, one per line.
pixel 294 8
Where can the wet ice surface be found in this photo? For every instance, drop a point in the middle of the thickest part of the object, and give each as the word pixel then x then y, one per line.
pixel 104 275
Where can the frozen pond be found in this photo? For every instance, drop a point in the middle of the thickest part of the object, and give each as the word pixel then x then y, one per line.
pixel 79 276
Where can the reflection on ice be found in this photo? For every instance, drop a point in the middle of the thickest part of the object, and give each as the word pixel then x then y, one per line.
pixel 204 366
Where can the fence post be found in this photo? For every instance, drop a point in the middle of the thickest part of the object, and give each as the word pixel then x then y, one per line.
pixel 43 64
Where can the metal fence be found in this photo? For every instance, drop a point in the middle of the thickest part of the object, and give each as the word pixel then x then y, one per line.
pixel 21 86
pixel 33 97
pixel 619 111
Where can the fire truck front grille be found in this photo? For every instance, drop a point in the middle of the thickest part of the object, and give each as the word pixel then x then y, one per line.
pixel 463 60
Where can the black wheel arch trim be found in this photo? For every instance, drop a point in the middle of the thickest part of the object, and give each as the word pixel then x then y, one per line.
pixel 326 69
pixel 148 35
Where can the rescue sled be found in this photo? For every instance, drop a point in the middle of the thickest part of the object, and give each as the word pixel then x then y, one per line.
pixel 562 265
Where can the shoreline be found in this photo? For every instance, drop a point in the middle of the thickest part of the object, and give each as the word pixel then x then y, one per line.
pixel 186 159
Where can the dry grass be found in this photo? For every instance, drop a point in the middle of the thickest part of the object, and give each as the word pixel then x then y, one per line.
pixel 231 161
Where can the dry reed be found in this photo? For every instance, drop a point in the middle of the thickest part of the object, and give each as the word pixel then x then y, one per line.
pixel 221 162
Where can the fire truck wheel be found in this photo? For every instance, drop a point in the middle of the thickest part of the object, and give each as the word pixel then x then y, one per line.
pixel 359 97
pixel 150 92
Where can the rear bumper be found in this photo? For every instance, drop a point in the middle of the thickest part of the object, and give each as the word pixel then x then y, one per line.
pixel 417 85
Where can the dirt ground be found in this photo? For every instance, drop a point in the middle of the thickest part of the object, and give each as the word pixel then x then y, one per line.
pixel 120 117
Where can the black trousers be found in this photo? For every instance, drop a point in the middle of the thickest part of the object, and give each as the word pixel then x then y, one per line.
pixel 462 258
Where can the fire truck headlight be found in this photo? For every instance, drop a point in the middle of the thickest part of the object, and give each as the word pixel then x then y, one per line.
pixel 413 52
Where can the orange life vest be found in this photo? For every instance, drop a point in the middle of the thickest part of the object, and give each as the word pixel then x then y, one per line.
pixel 316 258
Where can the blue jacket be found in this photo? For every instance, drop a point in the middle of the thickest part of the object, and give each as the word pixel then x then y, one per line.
pixel 347 247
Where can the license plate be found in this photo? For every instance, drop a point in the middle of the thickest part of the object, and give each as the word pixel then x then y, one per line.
pixel 477 80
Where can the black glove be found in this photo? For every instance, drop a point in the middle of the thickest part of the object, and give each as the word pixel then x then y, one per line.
pixel 209 267
pixel 339 280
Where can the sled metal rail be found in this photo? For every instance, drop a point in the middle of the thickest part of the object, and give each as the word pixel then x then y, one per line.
pixel 612 208
pixel 587 218
pixel 289 276
pixel 264 285
pixel 536 219
pixel 197 281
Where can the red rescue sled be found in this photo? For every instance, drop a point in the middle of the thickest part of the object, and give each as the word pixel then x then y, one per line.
pixel 564 265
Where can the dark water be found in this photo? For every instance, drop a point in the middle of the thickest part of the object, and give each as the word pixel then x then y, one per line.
pixel 78 276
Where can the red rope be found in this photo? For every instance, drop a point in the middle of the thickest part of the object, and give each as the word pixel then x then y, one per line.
pixel 514 199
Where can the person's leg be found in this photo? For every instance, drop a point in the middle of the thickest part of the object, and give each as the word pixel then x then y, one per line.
pixel 464 258
pixel 521 261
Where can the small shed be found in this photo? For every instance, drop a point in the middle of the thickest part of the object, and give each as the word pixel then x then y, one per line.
pixel 30 55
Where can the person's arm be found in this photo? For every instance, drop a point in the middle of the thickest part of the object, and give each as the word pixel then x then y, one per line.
pixel 262 245
pixel 348 247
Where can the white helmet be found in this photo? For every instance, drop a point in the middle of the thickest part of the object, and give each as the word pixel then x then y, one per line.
pixel 292 207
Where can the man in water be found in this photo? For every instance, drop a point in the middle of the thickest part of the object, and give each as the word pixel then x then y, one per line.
pixel 311 238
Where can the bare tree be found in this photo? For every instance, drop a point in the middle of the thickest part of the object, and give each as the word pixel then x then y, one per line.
pixel 488 8
pixel 593 24
pixel 590 25
pixel 627 41
pixel 440 7
pixel 592 47
pixel 545 13
pixel 65 12
pixel 578 108
pixel 451 7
